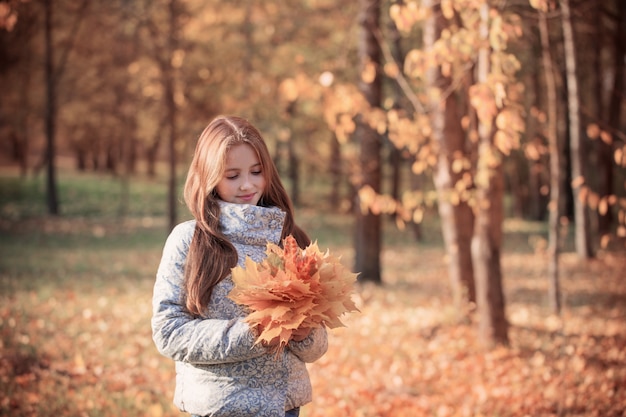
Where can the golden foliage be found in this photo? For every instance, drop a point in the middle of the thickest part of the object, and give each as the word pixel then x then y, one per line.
pixel 406 15
pixel 483 99
pixel 415 63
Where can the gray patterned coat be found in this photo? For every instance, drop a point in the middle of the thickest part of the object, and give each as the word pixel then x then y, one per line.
pixel 219 371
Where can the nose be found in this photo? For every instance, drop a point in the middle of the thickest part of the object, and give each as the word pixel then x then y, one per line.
pixel 246 184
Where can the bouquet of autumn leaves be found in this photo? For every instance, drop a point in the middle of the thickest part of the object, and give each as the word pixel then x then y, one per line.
pixel 292 290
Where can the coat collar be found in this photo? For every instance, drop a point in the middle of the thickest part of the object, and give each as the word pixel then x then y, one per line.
pixel 251 225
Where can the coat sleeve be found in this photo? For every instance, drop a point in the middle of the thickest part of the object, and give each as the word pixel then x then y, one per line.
pixel 312 347
pixel 179 335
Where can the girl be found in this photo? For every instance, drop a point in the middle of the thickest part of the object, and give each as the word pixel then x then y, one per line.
pixel 239 204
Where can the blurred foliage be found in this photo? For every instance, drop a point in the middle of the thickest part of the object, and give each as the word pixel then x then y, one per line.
pixel 290 67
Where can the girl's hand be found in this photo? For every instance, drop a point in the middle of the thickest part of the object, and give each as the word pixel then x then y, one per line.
pixel 299 335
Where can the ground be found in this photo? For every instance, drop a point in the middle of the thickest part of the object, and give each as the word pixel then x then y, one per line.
pixel 75 333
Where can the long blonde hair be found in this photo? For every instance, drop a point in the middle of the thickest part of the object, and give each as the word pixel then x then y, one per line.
pixel 211 256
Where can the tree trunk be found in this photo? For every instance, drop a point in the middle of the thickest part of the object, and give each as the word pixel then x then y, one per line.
pixel 395 155
pixel 577 151
pixel 293 162
pixel 171 115
pixel 603 150
pixel 415 181
pixel 368 237
pixel 456 217
pixel 487 239
pixel 51 112
pixel 537 167
pixel 294 170
pixel 52 73
pixel 335 172
pixel 23 125
pixel 152 149
pixel 614 111
pixel 554 291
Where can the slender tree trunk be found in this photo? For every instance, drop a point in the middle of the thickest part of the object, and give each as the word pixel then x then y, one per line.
pixel 577 151
pixel 618 90
pixel 335 172
pixel 294 171
pixel 293 162
pixel 171 116
pixel 554 291
pixel 395 154
pixel 536 166
pixel 487 239
pixel 415 181
pixel 396 158
pixel 456 217
pixel 24 129
pixel 615 108
pixel 51 111
pixel 603 150
pixel 250 49
pixel 53 71
pixel 368 236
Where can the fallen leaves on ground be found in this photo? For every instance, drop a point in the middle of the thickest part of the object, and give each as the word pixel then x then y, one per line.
pixel 407 354
pixel 86 350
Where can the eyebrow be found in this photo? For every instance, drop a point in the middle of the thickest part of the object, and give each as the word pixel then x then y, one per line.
pixel 259 165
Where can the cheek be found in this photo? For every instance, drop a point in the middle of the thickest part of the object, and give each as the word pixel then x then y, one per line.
pixel 222 189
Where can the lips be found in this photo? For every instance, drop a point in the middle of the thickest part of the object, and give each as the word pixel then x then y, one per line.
pixel 246 197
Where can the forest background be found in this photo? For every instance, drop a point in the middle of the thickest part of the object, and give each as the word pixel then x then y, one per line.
pixel 484 138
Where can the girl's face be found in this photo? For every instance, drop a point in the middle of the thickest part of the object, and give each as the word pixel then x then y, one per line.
pixel 243 181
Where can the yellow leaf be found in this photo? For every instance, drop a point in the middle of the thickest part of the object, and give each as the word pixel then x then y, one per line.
pixel 541 5
pixel 465 122
pixel 418 216
pixel 447 9
pixel 620 157
pixel 368 75
pixel 288 90
pixel 414 63
pixel 402 17
pixel 510 119
pixel 593 131
pixel 391 69
pixel 603 206
pixel 505 141
pixel 457 165
pixel 604 241
pixel 606 137
pixel 593 200
pixel 482 99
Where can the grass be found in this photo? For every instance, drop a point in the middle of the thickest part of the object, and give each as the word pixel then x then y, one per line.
pixel 75 308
